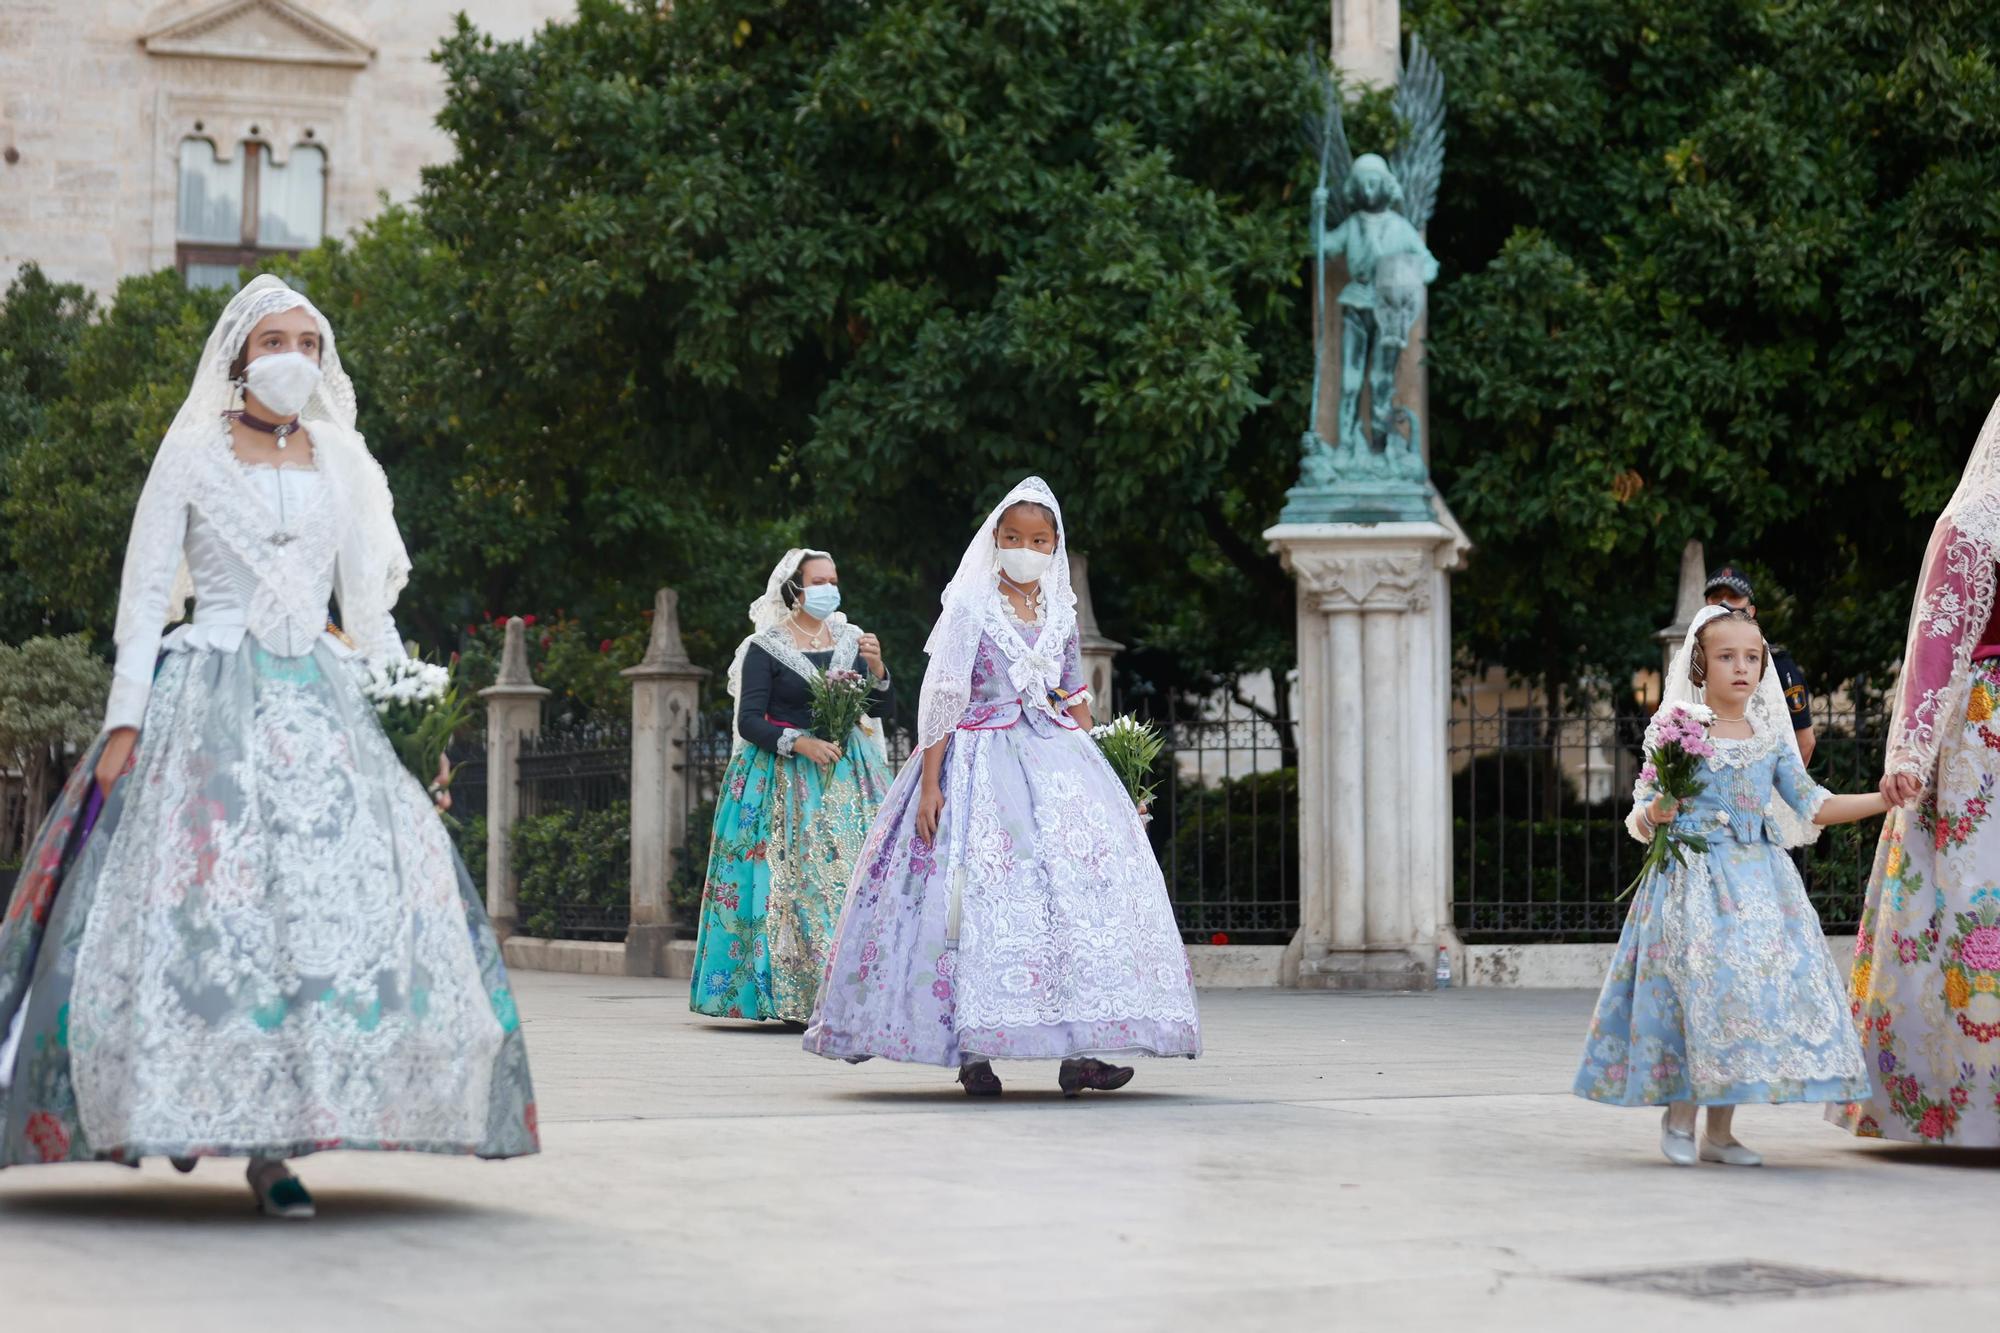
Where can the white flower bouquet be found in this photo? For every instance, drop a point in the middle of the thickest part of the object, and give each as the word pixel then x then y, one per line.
pixel 1131 747
pixel 419 706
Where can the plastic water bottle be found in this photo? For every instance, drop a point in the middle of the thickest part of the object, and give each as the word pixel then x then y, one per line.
pixel 1444 968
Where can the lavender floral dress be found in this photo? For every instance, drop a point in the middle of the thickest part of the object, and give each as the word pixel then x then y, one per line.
pixel 1036 927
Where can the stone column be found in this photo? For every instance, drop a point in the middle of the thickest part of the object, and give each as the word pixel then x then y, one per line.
pixel 513 710
pixel 1099 652
pixel 666 689
pixel 1687 605
pixel 1374 631
pixel 1367 40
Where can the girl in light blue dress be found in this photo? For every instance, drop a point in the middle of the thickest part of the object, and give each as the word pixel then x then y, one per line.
pixel 1722 990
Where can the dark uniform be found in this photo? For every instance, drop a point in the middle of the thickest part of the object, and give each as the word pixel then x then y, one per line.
pixel 1798 695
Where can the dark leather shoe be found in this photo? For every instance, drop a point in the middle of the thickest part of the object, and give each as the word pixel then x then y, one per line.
pixel 1076 1075
pixel 979 1080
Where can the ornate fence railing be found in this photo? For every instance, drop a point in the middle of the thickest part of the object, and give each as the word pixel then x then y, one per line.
pixel 1225 819
pixel 1540 852
pixel 572 844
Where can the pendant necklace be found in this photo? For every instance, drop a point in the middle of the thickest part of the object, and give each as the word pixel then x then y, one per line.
pixel 282 430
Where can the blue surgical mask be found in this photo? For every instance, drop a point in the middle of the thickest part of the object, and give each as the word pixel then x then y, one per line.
pixel 821 600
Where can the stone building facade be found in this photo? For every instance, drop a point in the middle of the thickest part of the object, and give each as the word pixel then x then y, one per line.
pixel 136 135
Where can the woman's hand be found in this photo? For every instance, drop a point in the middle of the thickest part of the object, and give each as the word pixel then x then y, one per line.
pixel 1662 810
pixel 1899 789
pixel 441 788
pixel 117 756
pixel 870 649
pixel 824 753
pixel 930 809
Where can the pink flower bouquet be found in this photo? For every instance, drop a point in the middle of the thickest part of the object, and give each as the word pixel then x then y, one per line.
pixel 1673 767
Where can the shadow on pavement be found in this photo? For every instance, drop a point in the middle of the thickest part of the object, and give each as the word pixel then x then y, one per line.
pixel 1924 1154
pixel 181 1204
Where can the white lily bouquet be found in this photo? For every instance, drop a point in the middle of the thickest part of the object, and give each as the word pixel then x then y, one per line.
pixel 419 706
pixel 1131 747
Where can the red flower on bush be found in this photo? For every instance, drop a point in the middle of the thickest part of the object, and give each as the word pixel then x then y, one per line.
pixel 527 620
pixel 604 647
pixel 1218 938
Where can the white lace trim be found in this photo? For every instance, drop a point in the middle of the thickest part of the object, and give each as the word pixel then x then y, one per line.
pixel 228 954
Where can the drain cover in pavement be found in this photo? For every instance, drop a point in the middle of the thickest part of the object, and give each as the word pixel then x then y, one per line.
pixel 1738 1283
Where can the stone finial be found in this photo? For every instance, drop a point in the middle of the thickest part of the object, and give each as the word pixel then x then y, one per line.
pixel 1087 630
pixel 514 673
pixel 666 653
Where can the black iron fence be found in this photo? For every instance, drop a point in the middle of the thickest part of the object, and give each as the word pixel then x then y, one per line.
pixel 1225 823
pixel 1540 851
pixel 1224 826
pixel 572 845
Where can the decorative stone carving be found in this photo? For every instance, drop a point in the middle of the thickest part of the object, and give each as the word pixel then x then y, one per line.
pixel 275 31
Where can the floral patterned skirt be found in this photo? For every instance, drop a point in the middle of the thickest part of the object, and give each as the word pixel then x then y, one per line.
pixel 1722 992
pixel 1037 927
pixel 1926 983
pixel 786 840
pixel 263 945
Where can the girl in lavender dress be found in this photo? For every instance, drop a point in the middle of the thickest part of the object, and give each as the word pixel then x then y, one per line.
pixel 1007 904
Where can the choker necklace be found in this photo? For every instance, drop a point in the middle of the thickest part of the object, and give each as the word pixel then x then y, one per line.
pixel 282 429
pixel 1740 717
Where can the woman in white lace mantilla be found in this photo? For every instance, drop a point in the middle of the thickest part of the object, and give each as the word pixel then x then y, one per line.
pixel 243 931
pixel 1007 904
pixel 1721 990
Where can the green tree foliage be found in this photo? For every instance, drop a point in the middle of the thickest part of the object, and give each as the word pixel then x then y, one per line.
pixel 871 264
pixel 52 694
pixel 1714 270
pixel 41 323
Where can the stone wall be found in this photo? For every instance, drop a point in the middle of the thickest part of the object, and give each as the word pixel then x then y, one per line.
pixel 96 97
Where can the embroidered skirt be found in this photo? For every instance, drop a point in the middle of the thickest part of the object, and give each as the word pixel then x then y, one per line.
pixel 1037 927
pixel 263 944
pixel 786 839
pixel 1926 982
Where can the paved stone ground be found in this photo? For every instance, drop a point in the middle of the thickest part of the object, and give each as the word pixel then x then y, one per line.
pixel 1339 1162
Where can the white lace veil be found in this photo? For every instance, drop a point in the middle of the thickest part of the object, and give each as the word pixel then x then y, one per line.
pixel 972 593
pixel 1955 595
pixel 371 565
pixel 1767 713
pixel 766 613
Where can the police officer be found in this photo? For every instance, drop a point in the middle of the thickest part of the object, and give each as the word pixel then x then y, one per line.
pixel 1729 586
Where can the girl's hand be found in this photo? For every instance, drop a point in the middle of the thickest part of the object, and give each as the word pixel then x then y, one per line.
pixel 824 753
pixel 930 808
pixel 870 649
pixel 1899 789
pixel 117 756
pixel 441 789
pixel 1662 810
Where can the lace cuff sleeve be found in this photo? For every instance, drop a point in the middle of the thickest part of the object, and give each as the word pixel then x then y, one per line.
pixel 788 740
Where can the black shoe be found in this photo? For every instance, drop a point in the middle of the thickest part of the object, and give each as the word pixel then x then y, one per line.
pixel 1076 1075
pixel 183 1164
pixel 979 1080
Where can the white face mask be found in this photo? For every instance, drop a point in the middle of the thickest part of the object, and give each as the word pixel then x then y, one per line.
pixel 282 381
pixel 1024 564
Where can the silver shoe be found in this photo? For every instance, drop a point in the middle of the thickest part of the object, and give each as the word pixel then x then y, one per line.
pixel 1729 1154
pixel 1677 1144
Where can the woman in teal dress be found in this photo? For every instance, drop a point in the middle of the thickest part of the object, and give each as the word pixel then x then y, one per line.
pixel 794 809
pixel 1722 990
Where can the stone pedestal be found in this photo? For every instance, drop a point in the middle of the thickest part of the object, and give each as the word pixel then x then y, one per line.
pixel 1687 605
pixel 513 710
pixel 1374 630
pixel 1099 651
pixel 666 689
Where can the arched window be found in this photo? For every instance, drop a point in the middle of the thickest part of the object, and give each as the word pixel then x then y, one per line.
pixel 230 213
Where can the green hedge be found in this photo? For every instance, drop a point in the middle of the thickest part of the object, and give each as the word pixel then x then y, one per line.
pixel 575 869
pixel 1231 854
